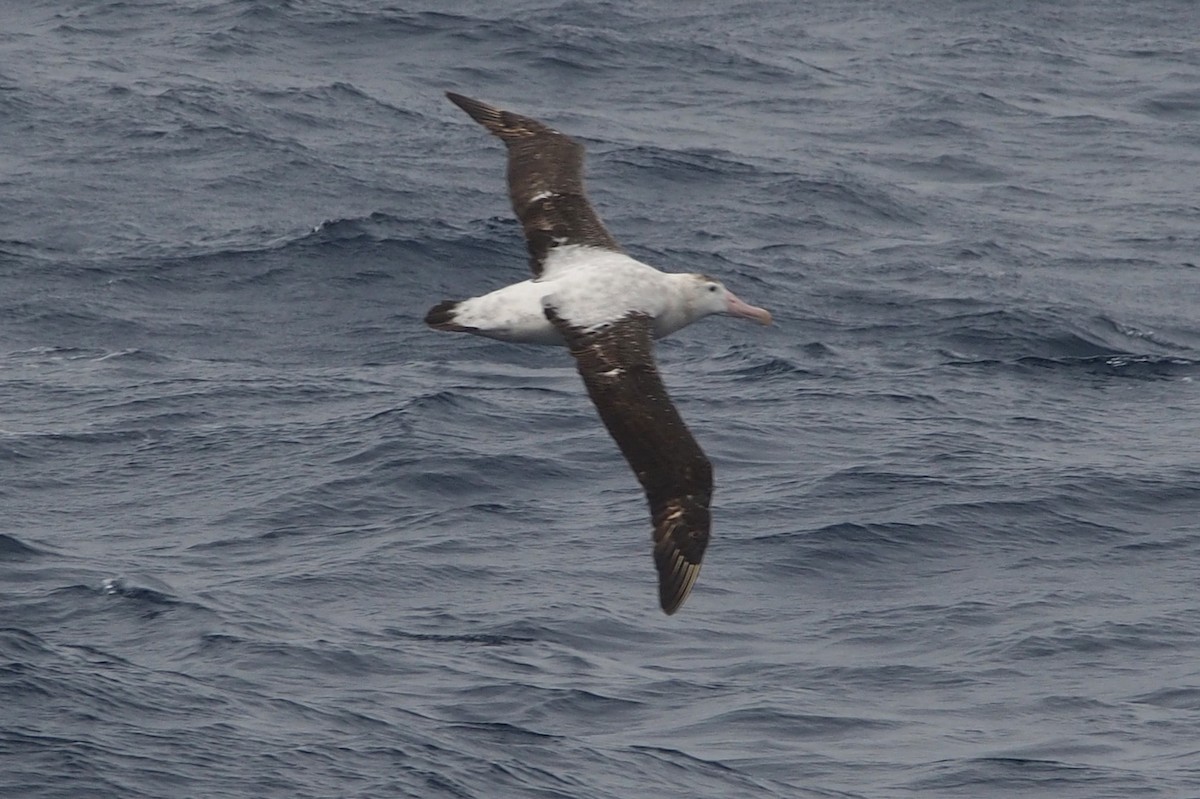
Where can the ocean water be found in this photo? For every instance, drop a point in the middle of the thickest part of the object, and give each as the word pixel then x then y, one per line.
pixel 264 534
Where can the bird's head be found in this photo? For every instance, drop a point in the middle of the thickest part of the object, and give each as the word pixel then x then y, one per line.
pixel 709 296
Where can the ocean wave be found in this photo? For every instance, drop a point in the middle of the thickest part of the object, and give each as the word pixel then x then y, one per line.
pixel 1029 339
pixel 13 548
pixel 1137 367
pixel 140 589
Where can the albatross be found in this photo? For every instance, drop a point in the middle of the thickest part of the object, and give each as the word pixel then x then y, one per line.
pixel 606 308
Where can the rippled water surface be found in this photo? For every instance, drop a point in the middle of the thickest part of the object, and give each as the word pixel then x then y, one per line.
pixel 264 534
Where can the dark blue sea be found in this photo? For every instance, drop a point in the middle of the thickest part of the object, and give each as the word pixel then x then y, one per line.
pixel 264 534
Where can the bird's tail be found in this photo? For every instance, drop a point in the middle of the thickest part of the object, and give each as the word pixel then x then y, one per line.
pixel 443 316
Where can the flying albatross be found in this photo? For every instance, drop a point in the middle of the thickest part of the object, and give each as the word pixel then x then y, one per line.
pixel 606 308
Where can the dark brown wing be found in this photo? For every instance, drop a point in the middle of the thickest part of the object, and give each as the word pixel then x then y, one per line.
pixel 618 369
pixel 545 182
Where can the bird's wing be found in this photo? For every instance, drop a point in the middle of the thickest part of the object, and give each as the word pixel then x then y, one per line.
pixel 617 366
pixel 545 183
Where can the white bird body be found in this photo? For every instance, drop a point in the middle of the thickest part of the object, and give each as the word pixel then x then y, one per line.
pixel 598 286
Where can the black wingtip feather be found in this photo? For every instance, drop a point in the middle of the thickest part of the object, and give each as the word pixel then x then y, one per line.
pixel 472 107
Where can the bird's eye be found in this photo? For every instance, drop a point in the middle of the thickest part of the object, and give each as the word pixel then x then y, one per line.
pixel 712 288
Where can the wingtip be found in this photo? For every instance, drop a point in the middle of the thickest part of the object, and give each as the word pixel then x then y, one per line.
pixel 674 588
pixel 680 538
pixel 481 112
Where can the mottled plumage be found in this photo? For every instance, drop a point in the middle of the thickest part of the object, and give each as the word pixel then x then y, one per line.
pixel 545 182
